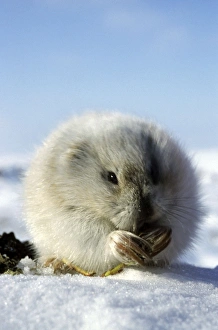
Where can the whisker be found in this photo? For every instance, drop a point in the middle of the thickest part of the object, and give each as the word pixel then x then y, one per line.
pixel 178 213
pixel 184 207
pixel 176 216
pixel 172 214
pixel 179 199
pixel 185 210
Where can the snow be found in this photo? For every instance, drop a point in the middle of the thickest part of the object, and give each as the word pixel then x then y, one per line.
pixel 181 296
pixel 174 298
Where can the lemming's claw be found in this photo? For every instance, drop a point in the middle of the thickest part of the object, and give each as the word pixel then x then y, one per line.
pixel 65 266
pixel 114 270
pixel 77 269
pixel 126 248
pixel 132 249
pixel 158 239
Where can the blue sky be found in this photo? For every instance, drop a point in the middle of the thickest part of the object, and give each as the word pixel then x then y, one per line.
pixel 157 59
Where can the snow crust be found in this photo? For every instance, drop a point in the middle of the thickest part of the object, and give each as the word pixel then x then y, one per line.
pixel 175 298
pixel 178 297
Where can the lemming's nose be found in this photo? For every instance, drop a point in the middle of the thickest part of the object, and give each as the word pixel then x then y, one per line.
pixel 146 209
pixel 145 214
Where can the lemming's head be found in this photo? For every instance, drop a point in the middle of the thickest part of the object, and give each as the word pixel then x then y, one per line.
pixel 125 171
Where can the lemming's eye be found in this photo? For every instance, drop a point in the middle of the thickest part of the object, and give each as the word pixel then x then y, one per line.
pixel 111 176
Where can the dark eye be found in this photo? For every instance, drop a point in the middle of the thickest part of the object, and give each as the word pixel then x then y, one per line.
pixel 111 176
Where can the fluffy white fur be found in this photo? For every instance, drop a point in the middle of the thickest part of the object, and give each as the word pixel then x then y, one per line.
pixel 73 209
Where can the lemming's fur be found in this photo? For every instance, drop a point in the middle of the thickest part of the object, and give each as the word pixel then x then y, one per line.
pixel 100 173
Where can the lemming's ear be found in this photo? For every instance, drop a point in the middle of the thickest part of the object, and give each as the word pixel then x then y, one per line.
pixel 78 151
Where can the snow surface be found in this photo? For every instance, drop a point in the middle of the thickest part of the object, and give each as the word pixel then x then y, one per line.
pixel 176 297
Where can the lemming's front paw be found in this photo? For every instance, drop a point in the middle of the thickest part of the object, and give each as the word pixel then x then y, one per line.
pixel 131 249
